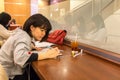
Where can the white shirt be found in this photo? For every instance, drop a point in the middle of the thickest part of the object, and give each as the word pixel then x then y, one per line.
pixel 4 33
pixel 15 52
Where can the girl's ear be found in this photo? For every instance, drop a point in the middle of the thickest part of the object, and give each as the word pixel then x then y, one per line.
pixel 32 27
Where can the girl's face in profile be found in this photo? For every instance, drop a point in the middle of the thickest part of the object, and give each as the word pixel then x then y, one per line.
pixel 37 33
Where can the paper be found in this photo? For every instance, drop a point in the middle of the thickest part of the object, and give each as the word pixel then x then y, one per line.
pixel 43 44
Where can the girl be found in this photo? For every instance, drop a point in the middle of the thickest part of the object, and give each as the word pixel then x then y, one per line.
pixel 4 33
pixel 16 51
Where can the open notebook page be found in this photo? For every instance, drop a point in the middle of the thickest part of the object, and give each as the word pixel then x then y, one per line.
pixel 43 44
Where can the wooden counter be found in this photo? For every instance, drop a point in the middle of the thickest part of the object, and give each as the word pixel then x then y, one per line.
pixel 86 67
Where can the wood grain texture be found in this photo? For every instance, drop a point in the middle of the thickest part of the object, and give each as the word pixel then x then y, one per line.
pixel 86 67
pixel 18 9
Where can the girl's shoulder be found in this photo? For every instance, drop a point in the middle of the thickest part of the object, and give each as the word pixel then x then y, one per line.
pixel 20 34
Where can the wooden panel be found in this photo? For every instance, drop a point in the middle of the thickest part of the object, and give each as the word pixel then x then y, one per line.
pixel 18 9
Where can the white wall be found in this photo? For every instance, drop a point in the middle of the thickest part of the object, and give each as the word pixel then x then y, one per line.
pixel 75 3
pixel 112 24
pixel 34 6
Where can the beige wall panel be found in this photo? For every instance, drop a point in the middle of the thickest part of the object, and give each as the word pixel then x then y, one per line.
pixel 1 5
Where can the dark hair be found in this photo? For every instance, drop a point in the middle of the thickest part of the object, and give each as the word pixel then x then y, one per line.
pixel 13 21
pixel 37 20
pixel 4 19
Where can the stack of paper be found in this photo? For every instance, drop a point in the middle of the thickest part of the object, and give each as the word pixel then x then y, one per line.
pixel 43 44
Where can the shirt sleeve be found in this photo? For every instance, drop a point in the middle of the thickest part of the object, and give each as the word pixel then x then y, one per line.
pixel 33 57
pixel 4 32
pixel 21 51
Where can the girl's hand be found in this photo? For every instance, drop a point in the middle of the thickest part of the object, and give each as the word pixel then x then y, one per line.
pixel 51 53
pixel 38 48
